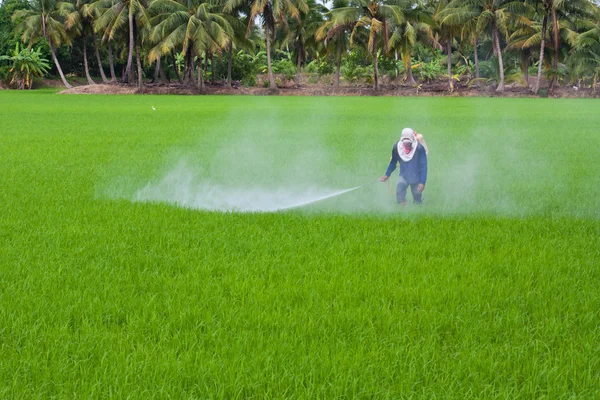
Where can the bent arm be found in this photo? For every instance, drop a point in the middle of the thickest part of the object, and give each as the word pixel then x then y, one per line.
pixel 393 162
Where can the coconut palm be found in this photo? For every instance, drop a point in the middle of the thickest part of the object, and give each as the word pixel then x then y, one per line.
pixel 238 19
pixel 375 19
pixel 44 19
pixel 336 37
pixel 79 23
pixel 524 40
pixel 116 14
pixel 587 51
pixel 191 26
pixel 414 27
pixel 459 13
pixel 492 15
pixel 301 33
pixel 447 29
pixel 271 13
pixel 565 14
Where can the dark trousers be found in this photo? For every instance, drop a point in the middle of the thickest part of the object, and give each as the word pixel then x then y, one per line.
pixel 401 191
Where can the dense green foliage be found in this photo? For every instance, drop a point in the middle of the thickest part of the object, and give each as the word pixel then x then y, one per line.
pixel 407 40
pixel 7 32
pixel 488 291
pixel 25 64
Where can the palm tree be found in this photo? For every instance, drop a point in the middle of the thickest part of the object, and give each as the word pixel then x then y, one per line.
pixel 191 26
pixel 489 14
pixel 90 14
pixel 587 50
pixel 335 37
pixel 97 8
pixel 565 14
pixel 238 20
pixel 272 13
pixel 447 28
pixel 44 19
pixel 523 40
pixel 373 16
pixel 301 33
pixel 547 5
pixel 460 13
pixel 116 14
pixel 79 23
pixel 415 25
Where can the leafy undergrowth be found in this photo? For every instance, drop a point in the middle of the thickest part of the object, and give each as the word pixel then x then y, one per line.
pixel 489 290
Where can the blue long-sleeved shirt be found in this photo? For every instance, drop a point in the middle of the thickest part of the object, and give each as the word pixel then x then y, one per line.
pixel 415 170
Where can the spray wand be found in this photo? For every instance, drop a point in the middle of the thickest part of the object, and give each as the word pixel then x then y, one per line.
pixel 327 197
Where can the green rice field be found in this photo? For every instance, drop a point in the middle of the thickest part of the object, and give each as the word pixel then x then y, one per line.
pixel 145 251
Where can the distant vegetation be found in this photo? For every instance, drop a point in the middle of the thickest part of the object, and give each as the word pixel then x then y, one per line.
pixel 411 41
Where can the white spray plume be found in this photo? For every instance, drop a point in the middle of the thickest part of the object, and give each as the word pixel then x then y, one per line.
pixel 181 187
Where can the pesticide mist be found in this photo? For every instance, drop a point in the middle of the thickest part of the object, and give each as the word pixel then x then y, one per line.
pixel 182 187
pixel 325 156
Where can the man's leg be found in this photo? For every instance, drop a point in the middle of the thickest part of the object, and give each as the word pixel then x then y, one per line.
pixel 401 190
pixel 417 196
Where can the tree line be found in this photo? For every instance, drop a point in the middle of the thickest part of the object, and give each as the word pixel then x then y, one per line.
pixel 490 41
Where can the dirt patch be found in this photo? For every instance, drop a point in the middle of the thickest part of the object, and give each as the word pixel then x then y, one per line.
pixel 434 89
pixel 102 89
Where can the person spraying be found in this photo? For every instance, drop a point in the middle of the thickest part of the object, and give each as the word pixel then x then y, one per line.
pixel 411 153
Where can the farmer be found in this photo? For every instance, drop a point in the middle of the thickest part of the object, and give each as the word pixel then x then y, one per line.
pixel 412 157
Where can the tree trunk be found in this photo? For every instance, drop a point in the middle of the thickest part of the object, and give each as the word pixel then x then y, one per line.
pixel 161 71
pixel 536 87
pixel 338 67
pixel 556 45
pixel 475 45
pixel 205 65
pixel 229 63
pixel 85 63
pixel 98 59
pixel 396 72
pixel 525 66
pixel 272 84
pixel 406 59
pixel 113 77
pixel 60 72
pixel 175 67
pixel 375 72
pixel 449 51
pixel 496 38
pixel 139 67
pixel 298 63
pixel 186 70
pixel 212 68
pixel 129 67
pixel 188 73
pixel 156 69
pixel 200 77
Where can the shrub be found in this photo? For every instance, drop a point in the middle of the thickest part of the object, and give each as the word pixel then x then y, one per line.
pixel 285 67
pixel 429 71
pixel 26 64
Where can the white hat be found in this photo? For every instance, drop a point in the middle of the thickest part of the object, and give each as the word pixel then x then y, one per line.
pixel 407 133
